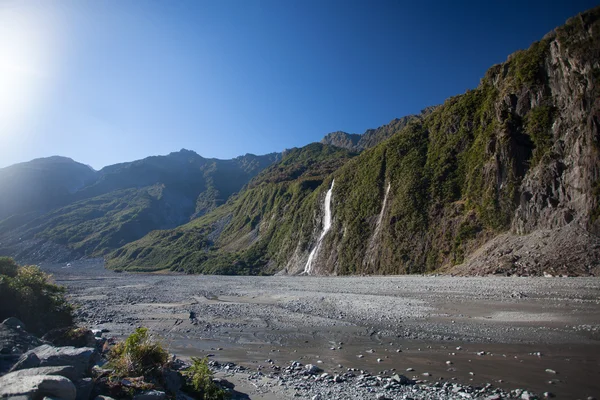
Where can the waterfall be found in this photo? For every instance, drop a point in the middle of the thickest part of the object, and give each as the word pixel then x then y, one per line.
pixel 378 225
pixel 326 226
pixel 373 242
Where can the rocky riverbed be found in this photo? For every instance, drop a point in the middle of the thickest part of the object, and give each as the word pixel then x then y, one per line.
pixel 454 336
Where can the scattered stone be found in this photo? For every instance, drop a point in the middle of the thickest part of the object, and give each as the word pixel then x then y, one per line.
pixel 151 395
pixel 312 369
pixel 401 379
pixel 550 371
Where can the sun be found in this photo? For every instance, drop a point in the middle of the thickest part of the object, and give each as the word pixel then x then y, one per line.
pixel 26 63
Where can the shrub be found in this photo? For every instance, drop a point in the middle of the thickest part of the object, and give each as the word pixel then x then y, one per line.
pixel 138 355
pixel 200 381
pixel 28 294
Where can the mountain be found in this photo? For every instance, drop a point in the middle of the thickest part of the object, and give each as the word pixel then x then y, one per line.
pixel 263 221
pixel 502 179
pixel 372 137
pixel 41 184
pixel 117 204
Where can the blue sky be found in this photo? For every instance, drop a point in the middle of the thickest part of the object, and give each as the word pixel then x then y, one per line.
pixel 113 80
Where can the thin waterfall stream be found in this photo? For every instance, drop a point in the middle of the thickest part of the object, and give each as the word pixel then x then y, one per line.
pixel 308 268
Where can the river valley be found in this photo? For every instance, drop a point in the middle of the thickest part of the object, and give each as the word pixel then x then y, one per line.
pixel 540 334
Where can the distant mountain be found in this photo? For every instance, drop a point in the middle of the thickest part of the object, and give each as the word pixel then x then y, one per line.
pixel 41 184
pixel 99 211
pixel 503 179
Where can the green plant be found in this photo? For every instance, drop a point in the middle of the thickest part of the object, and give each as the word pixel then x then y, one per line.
pixel 538 125
pixel 138 355
pixel 199 379
pixel 29 295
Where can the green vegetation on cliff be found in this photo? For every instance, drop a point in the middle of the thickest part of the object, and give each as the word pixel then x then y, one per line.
pixel 454 174
pixel 253 232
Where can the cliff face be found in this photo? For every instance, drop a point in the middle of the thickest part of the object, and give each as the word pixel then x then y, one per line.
pixel 502 179
pixel 564 186
pixel 517 154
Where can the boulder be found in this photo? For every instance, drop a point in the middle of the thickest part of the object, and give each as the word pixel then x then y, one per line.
pixel 27 360
pixel 81 359
pixel 173 380
pixel 37 386
pixel 151 395
pixel 14 323
pixel 65 370
pixel 14 339
pixel 84 388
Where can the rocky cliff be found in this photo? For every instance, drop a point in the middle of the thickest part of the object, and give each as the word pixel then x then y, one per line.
pixel 501 179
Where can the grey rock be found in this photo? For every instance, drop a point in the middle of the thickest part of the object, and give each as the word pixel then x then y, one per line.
pixel 15 340
pixel 102 397
pixel 84 388
pixel 224 383
pixel 401 379
pixel 65 370
pixel 173 380
pixel 14 323
pixel 151 395
pixel 37 386
pixel 82 358
pixel 27 360
pixel 312 369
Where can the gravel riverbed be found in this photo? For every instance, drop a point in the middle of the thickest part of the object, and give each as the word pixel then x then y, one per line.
pixel 456 337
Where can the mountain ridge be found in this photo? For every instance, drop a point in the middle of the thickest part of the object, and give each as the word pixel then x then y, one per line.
pixel 122 202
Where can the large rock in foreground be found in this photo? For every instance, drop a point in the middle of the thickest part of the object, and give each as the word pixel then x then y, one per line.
pixel 37 386
pixel 81 359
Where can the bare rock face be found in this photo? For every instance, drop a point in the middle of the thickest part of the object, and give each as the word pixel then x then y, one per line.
pixel 562 188
pixel 37 386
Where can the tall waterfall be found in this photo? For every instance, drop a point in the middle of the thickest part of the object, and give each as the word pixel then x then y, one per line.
pixel 326 226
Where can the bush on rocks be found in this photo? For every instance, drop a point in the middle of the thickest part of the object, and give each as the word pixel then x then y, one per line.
pixel 199 379
pixel 138 355
pixel 29 295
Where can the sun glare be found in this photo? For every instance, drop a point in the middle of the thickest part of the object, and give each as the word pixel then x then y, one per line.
pixel 26 45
